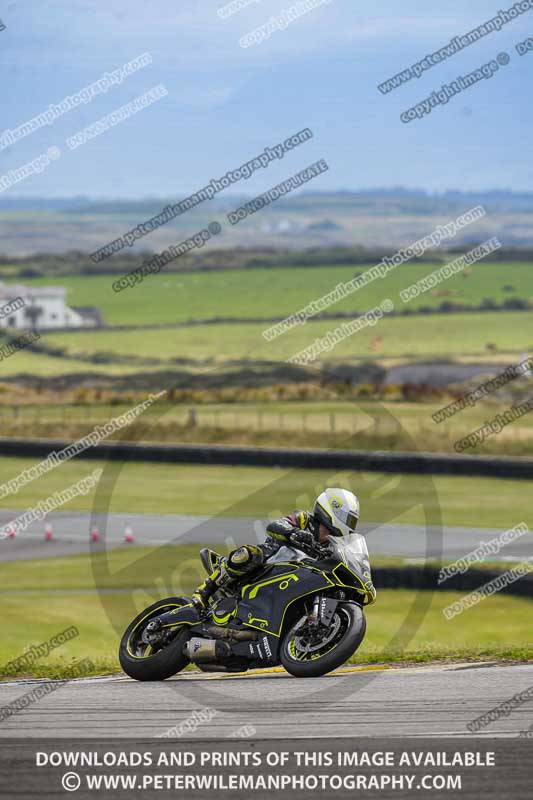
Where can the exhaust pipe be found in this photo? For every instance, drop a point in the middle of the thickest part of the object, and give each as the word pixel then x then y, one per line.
pixel 231 633
pixel 200 650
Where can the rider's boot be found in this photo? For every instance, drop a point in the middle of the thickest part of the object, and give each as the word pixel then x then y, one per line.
pixel 206 590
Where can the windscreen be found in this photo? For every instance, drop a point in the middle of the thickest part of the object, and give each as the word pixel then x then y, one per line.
pixel 353 548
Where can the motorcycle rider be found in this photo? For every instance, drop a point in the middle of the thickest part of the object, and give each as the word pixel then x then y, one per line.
pixel 335 513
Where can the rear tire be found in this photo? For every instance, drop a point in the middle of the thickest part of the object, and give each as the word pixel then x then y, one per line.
pixel 351 623
pixel 153 666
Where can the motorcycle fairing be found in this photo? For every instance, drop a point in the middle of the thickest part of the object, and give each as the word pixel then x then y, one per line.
pixel 264 603
pixel 351 577
pixel 349 564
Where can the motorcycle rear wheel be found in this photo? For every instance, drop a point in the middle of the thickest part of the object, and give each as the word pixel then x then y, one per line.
pixel 137 658
pixel 340 641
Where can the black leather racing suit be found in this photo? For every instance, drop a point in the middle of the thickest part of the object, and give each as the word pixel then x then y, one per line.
pixel 250 558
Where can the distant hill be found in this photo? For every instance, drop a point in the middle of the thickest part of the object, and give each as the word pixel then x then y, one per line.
pixel 378 200
pixel 377 218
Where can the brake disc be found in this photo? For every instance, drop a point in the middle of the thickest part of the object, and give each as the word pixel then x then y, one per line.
pixel 312 648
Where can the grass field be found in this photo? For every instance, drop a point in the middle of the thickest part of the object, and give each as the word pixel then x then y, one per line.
pixel 28 363
pixel 263 293
pixel 442 335
pixel 139 488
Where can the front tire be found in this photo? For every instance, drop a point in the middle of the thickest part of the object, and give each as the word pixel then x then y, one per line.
pixel 136 658
pixel 342 639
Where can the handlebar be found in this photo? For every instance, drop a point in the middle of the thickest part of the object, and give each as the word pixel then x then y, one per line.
pixel 313 549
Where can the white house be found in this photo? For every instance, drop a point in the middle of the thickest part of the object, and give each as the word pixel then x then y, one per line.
pixel 41 307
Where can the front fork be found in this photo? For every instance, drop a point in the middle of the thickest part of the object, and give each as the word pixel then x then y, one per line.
pixel 312 619
pixel 322 611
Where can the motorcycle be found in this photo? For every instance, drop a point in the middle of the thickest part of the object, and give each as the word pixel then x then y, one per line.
pixel 303 610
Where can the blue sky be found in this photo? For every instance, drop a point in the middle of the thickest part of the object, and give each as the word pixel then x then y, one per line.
pixel 225 104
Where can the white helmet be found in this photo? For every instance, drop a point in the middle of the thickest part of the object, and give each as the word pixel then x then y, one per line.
pixel 338 510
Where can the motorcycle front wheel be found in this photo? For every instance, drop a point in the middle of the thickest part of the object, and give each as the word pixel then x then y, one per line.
pixel 139 660
pixel 307 656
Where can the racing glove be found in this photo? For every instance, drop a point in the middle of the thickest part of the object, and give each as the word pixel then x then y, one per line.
pixel 305 538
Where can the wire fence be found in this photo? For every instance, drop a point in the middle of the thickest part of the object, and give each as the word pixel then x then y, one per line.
pixel 20 417
pixel 64 420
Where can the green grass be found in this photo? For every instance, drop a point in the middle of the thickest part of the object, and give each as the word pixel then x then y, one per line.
pixel 35 619
pixel 499 627
pixel 263 293
pixel 116 568
pixel 441 335
pixel 259 492
pixel 41 364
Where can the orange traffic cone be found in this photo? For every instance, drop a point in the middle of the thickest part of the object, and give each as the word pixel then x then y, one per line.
pixel 11 532
pixel 128 535
pixel 95 534
pixel 48 534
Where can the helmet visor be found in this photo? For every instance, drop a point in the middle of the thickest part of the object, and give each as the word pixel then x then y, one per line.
pixel 349 518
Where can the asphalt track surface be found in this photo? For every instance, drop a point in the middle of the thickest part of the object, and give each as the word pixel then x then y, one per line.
pixel 72 535
pixel 431 701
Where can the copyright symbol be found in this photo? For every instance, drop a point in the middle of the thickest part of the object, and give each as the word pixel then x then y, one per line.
pixel 214 228
pixel 387 306
pixel 53 153
pixel 503 59
pixel 71 781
